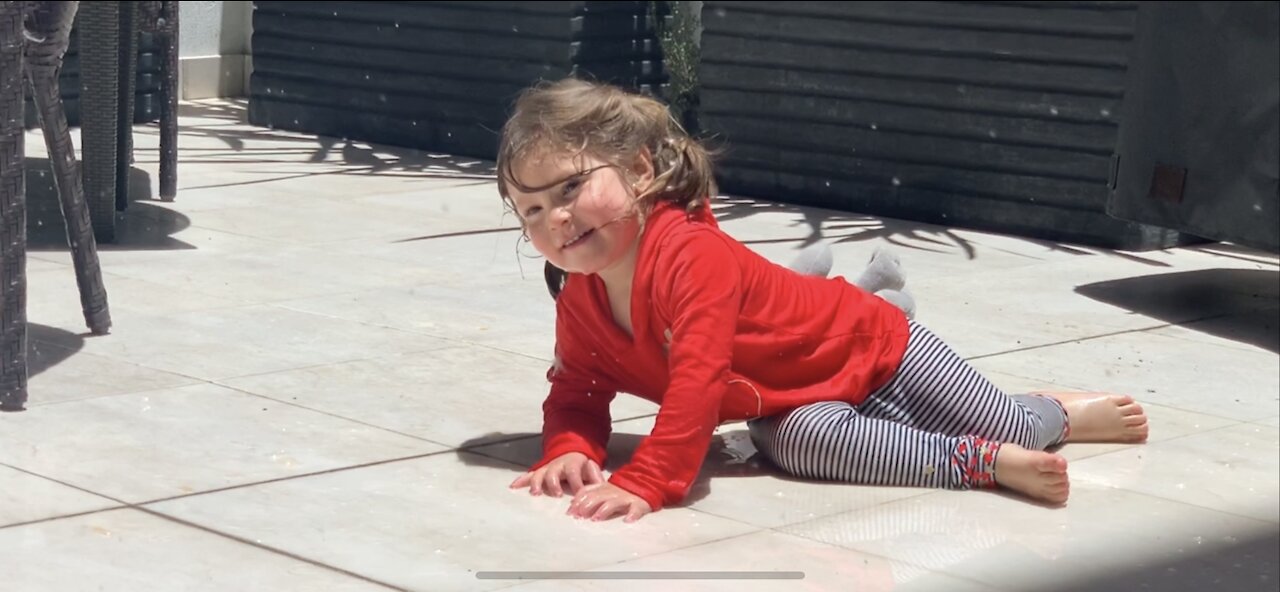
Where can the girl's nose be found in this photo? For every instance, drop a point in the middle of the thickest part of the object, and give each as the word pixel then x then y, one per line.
pixel 561 215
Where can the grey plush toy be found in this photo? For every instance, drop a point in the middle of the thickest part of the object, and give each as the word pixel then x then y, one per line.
pixel 883 276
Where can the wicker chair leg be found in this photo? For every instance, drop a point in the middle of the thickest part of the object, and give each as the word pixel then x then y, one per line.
pixel 167 27
pixel 13 213
pixel 50 22
pixel 99 24
pixel 128 80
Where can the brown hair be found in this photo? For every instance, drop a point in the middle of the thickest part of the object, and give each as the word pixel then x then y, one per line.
pixel 608 123
pixel 612 125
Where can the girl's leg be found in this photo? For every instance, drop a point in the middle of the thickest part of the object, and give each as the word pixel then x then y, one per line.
pixel 935 390
pixel 936 423
pixel 831 440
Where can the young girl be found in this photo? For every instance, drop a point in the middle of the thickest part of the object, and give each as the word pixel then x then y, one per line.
pixel 657 301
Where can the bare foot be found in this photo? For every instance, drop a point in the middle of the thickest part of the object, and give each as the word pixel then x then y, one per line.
pixel 1039 475
pixel 1103 417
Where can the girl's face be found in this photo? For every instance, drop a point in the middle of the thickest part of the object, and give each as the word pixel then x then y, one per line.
pixel 585 220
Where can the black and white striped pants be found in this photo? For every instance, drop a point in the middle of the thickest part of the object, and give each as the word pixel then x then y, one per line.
pixel 936 423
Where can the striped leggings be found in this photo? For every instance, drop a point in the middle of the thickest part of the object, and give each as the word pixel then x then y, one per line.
pixel 936 423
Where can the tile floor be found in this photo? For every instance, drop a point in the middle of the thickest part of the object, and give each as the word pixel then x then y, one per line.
pixel 328 359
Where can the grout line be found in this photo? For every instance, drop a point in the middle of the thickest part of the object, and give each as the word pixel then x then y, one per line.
pixel 1231 513
pixel 65 516
pixel 64 483
pixel 451 343
pixel 516 465
pixel 269 549
pixel 454 341
pixel 1127 447
pixel 1161 497
pixel 34 406
pixel 298 476
pixel 330 414
pixel 1139 398
pixel 332 363
pixel 1094 337
pixel 121 504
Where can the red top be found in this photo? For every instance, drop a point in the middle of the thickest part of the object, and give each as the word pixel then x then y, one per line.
pixel 747 338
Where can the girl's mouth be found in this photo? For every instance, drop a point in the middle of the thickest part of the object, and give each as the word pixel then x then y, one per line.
pixel 577 239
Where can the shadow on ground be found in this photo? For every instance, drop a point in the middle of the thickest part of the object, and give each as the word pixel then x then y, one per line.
pixel 144 226
pixel 725 458
pixel 1252 297
pixel 1252 557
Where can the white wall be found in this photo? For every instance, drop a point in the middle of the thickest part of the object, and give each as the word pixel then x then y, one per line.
pixel 213 48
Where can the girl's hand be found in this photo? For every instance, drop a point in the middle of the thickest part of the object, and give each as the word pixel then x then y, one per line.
pixel 604 501
pixel 573 468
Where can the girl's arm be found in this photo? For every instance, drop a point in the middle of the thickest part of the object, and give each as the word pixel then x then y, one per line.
pixel 698 281
pixel 574 420
pixel 575 416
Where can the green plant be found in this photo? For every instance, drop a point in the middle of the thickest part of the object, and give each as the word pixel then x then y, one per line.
pixel 678 35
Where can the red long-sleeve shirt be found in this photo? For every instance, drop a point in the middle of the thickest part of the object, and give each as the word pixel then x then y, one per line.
pixel 720 334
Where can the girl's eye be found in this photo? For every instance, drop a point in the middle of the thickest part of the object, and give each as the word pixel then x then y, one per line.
pixel 532 210
pixel 570 186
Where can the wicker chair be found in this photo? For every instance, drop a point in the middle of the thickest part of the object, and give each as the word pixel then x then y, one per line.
pixel 13 213
pixel 40 30
pixel 108 57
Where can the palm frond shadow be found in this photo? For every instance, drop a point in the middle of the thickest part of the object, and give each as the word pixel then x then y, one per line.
pixel 817 224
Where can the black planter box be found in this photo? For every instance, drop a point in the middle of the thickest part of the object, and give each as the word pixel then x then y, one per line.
pixel 435 75
pixel 993 116
pixel 1201 129
pixel 146 101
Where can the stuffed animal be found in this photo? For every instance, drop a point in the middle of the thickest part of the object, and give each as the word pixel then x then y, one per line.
pixel 883 276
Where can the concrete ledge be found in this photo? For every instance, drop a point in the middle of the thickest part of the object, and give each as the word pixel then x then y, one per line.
pixel 206 77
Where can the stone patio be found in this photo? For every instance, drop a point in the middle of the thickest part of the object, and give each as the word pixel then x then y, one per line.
pixel 328 360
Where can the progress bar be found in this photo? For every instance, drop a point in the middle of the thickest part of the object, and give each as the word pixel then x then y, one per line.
pixel 640 575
